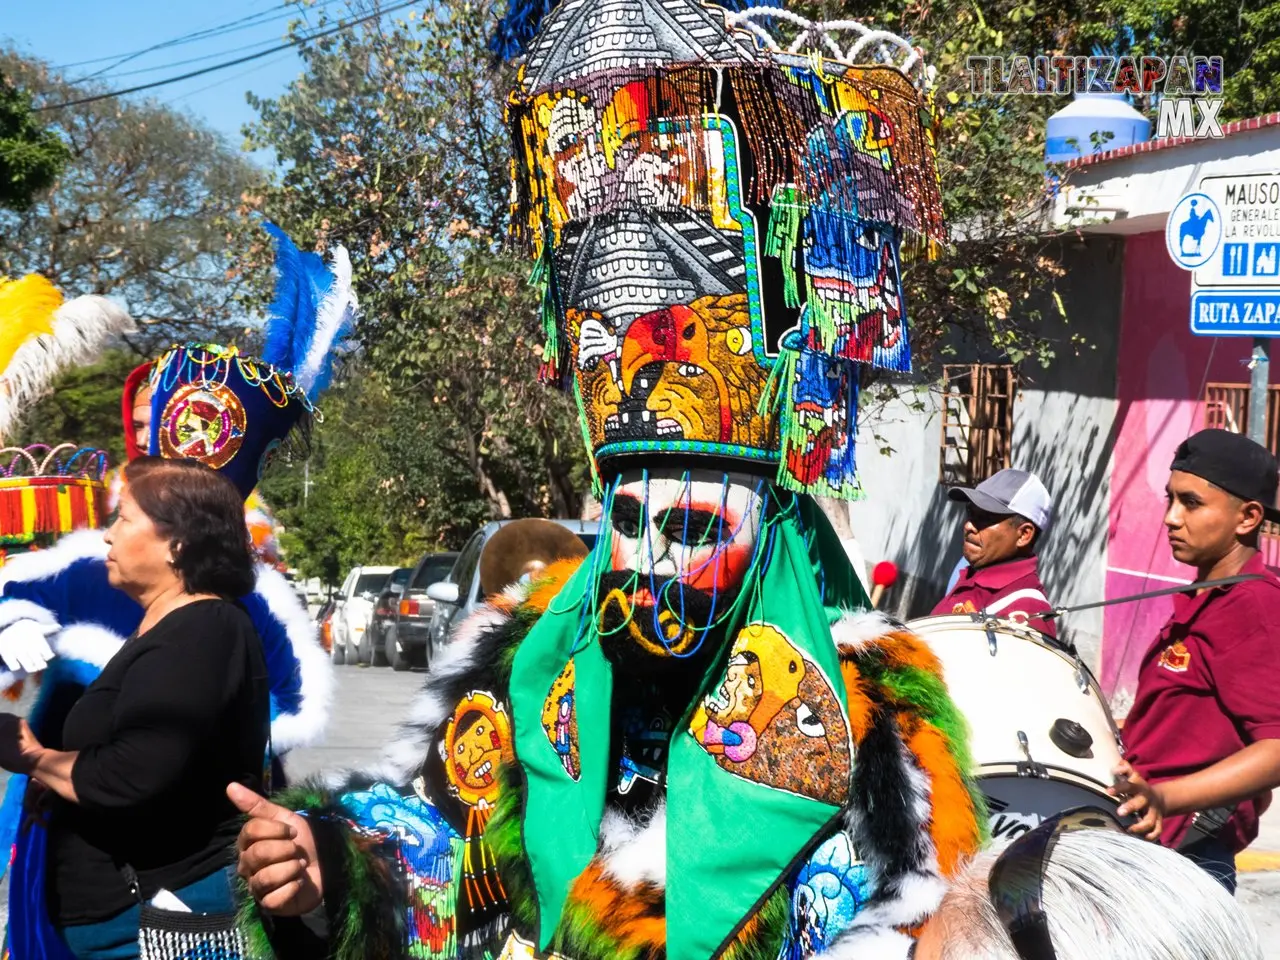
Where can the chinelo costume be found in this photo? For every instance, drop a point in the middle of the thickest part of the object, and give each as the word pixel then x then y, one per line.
pixel 696 742
pixel 47 491
pixel 231 412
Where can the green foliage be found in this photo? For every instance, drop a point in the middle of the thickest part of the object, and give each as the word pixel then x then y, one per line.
pixel 392 143
pixel 139 211
pixel 335 511
pixel 83 408
pixel 31 157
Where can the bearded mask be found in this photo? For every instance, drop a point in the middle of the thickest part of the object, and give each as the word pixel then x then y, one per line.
pixel 681 547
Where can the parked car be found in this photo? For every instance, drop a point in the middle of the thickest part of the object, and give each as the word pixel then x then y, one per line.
pixel 324 618
pixel 355 609
pixel 372 649
pixel 459 593
pixel 406 637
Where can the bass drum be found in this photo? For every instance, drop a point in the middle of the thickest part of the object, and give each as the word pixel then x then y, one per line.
pixel 1041 735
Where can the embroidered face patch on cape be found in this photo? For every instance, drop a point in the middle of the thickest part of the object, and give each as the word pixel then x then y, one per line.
pixel 476 742
pixel 560 721
pixel 775 719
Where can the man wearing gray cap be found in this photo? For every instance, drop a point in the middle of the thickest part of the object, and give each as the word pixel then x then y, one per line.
pixel 1007 514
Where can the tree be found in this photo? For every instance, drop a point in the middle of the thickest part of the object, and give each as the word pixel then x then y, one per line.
pixel 140 211
pixel 31 157
pixel 344 516
pixel 392 143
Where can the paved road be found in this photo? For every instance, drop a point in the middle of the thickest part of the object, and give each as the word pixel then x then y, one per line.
pixel 371 702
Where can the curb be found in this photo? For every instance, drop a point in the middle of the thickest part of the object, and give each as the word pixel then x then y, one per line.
pixel 1257 861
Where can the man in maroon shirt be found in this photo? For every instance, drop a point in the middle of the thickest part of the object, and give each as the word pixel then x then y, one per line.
pixel 1203 735
pixel 1007 515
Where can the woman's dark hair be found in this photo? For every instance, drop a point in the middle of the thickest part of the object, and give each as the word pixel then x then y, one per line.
pixel 201 513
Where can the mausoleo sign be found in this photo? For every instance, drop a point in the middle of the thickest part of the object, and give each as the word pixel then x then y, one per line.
pixel 1227 232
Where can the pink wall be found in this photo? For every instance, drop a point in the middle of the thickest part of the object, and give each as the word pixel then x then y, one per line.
pixel 1159 382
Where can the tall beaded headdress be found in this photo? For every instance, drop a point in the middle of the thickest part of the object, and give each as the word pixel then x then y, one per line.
pixel 718 222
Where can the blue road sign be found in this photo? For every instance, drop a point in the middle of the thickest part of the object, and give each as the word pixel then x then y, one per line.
pixel 1266 259
pixel 1236 313
pixel 1193 231
pixel 1235 259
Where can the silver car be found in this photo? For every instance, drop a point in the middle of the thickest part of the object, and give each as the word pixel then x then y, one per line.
pixel 459 593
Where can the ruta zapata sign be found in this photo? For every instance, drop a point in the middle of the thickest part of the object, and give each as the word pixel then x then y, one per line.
pixel 1227 232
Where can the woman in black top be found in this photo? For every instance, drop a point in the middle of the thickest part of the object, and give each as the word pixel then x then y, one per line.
pixel 137 784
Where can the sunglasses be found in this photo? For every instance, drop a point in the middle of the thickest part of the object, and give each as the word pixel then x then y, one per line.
pixel 1016 882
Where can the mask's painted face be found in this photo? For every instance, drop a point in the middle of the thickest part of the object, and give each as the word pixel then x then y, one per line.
pixel 681 547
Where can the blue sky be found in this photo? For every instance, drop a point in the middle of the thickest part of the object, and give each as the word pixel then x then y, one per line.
pixel 68 33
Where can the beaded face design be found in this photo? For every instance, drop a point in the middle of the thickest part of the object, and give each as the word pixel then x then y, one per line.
pixel 717 226
pixel 680 548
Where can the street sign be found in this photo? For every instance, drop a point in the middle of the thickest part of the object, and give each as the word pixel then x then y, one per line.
pixel 1236 313
pixel 1193 231
pixel 1227 234
pixel 1248 254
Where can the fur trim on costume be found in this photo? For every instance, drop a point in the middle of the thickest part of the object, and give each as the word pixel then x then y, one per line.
pixel 858 631
pixel 871 944
pixel 634 851
pixel 11 611
pixel 87 643
pixel 366 900
pixel 915 811
pixel 43 564
pixel 306 725
pixel 477 656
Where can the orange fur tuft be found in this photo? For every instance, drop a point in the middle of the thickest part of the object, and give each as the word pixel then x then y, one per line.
pixel 905 649
pixel 551 582
pixel 954 828
pixel 860 705
pixel 628 915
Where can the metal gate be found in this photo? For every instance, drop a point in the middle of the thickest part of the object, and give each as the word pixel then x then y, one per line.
pixel 1226 407
pixel 977 421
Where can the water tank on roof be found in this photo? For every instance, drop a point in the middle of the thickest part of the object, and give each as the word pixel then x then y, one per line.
pixel 1091 113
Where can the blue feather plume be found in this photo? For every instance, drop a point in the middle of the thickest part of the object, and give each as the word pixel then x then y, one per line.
pixel 312 317
pixel 517 29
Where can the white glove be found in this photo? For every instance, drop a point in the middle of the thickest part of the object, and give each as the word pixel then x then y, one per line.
pixel 24 646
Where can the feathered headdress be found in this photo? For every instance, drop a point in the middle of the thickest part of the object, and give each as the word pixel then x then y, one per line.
pixel 313 314
pixel 40 334
pixel 232 411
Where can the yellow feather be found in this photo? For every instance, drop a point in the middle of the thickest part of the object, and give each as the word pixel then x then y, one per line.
pixel 26 311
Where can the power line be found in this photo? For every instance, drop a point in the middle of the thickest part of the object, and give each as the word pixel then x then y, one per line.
pixel 182 63
pixel 217 83
pixel 252 20
pixel 229 63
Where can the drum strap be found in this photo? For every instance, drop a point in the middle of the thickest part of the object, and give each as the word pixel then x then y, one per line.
pixel 1004 603
pixel 1200 585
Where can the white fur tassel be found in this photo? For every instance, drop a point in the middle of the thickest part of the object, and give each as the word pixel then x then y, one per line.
pixel 80 327
pixel 337 314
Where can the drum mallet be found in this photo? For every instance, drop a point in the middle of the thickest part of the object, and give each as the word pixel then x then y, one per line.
pixel 883 576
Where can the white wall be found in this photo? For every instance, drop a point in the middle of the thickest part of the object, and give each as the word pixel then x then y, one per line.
pixel 1061 437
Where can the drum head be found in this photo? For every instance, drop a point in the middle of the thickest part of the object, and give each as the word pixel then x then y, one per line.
pixel 1017 804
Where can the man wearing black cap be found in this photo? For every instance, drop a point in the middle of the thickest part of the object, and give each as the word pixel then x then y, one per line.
pixel 1203 735
pixel 1007 514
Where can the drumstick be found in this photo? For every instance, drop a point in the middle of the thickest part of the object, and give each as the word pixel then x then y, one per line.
pixel 883 575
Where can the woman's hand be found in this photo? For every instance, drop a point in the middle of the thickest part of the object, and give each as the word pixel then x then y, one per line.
pixel 1141 799
pixel 19 748
pixel 277 855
